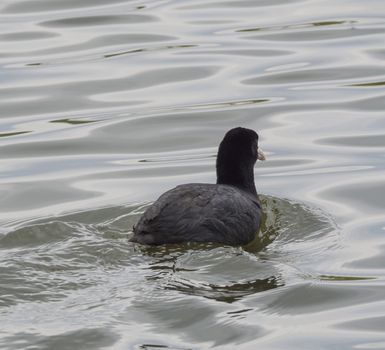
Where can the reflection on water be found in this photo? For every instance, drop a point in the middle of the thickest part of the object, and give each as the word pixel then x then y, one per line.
pixel 106 104
pixel 77 241
pixel 62 259
pixel 8 134
pixel 72 121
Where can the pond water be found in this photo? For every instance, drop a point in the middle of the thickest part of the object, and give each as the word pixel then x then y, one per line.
pixel 106 104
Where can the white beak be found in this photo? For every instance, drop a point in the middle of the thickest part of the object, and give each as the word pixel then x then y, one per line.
pixel 261 155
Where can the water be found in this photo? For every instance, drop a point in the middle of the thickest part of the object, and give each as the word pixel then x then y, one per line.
pixel 106 104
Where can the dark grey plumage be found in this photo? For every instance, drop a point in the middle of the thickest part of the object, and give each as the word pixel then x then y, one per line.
pixel 228 212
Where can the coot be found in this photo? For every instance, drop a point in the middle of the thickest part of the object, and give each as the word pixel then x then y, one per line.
pixel 227 212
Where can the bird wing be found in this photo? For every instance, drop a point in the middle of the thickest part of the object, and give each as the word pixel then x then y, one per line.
pixel 198 212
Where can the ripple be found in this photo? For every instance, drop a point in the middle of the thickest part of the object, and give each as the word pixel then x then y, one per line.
pixel 60 257
pixel 92 338
pixel 99 43
pixel 49 5
pixel 318 35
pixel 73 121
pixel 243 52
pixel 378 54
pixel 70 246
pixel 14 133
pixel 85 94
pixel 373 263
pixel 161 48
pixel 295 26
pixel 372 324
pixel 238 4
pixel 22 196
pixel 208 271
pixel 26 36
pixel 319 298
pixel 373 84
pixel 316 75
pixel 105 105
pixel 36 235
pixel 364 196
pixel 98 20
pixel 355 141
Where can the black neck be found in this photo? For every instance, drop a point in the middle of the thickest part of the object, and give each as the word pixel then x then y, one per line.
pixel 236 173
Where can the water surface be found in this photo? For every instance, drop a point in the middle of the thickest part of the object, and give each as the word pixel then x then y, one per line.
pixel 106 104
